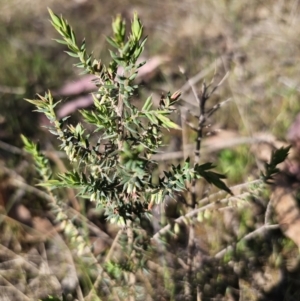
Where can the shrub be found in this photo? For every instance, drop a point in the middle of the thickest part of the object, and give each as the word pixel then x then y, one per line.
pixel 113 166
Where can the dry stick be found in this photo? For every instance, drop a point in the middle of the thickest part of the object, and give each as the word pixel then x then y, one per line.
pixel 150 264
pixel 184 132
pixel 12 149
pixel 217 106
pixel 154 267
pixel 12 90
pixel 268 212
pixel 45 264
pixel 214 205
pixel 201 123
pixel 183 264
pixel 191 241
pixel 199 294
pixel 18 151
pixel 238 187
pixel 206 148
pixel 260 230
pixel 78 288
pixel 116 296
pixel 195 79
pixel 107 258
pixel 34 270
pixel 132 278
pixel 191 126
pixel 113 246
pixel 205 95
pixel 21 261
pixel 194 212
pixel 147 284
pixel 58 209
pixel 79 293
pixel 16 291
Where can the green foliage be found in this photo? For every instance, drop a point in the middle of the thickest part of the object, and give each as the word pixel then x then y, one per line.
pixel 278 156
pixel 211 177
pixel 69 39
pixel 42 164
pixel 117 171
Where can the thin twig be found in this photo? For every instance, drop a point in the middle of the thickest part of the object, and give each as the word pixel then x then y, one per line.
pixel 12 149
pixel 17 292
pixel 195 211
pixel 132 278
pixel 113 246
pixel 217 106
pixel 191 241
pixel 198 77
pixel 18 151
pixel 268 212
pixel 75 215
pixel 260 230
pixel 184 132
pixel 208 147
pixel 147 284
pixel 107 258
pixel 201 122
pixel 12 90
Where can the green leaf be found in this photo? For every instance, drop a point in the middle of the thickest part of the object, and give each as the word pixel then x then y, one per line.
pixel 152 118
pixel 60 41
pixel 136 27
pixel 148 104
pixel 133 76
pixel 167 122
pixel 112 42
pixel 278 156
pixel 28 144
pixel 52 184
pixel 73 37
pixel 142 46
pixel 212 177
pixel 55 18
pixel 71 54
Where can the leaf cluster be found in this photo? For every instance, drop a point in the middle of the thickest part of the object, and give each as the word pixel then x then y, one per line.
pixel 271 169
